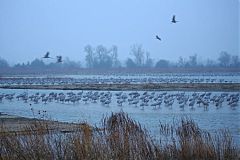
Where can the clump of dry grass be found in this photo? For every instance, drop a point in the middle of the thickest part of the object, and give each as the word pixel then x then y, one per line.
pixel 187 141
pixel 119 137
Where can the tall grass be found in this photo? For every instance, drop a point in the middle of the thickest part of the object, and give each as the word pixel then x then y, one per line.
pixel 119 137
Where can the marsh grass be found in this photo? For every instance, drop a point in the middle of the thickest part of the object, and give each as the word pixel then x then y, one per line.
pixel 119 137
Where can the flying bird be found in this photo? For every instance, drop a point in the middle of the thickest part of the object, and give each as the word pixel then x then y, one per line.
pixel 158 38
pixel 46 55
pixel 59 59
pixel 174 19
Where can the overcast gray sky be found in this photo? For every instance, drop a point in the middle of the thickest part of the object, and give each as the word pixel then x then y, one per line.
pixel 29 28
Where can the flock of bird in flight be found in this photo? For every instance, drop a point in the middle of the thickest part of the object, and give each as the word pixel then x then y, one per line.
pixel 59 58
pixel 173 21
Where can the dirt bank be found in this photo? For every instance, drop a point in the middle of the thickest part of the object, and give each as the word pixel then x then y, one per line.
pixel 149 86
pixel 11 123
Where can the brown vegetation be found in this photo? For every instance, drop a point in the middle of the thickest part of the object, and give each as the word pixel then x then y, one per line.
pixel 120 137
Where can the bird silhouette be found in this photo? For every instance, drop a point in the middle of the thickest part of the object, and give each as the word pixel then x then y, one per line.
pixel 174 19
pixel 59 59
pixel 158 38
pixel 46 55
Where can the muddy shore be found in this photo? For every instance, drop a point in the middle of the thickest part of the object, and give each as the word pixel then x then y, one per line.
pixel 13 124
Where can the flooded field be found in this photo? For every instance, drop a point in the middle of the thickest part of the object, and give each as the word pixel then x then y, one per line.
pixel 211 110
pixel 122 79
pixel 119 80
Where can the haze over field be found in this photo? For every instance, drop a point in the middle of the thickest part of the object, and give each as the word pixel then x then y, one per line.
pixel 28 29
pixel 122 79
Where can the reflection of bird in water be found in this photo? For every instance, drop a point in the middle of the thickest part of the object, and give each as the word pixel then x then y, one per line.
pixel 174 19
pixel 158 38
pixel 46 55
pixel 59 59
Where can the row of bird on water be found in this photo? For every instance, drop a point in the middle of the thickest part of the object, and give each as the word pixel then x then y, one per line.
pixel 59 58
pixel 138 99
pixel 109 79
pixel 173 21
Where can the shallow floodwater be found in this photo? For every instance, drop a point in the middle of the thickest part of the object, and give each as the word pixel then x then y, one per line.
pixel 123 78
pixel 211 119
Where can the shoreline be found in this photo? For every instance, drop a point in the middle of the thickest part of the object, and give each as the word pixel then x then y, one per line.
pixel 14 123
pixel 228 87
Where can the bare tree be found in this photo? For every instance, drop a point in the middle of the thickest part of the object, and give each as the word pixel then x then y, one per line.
pixel 37 63
pixel 70 63
pixel 210 63
pixel 235 61
pixel 162 63
pixel 193 60
pixel 149 60
pixel 138 53
pixel 101 52
pixel 103 59
pixel 114 55
pixel 90 56
pixel 224 59
pixel 130 63
pixel 3 63
pixel 181 62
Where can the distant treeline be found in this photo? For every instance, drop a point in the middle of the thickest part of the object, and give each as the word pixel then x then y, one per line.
pixel 101 57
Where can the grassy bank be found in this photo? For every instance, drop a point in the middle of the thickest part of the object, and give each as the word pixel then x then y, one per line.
pixel 119 137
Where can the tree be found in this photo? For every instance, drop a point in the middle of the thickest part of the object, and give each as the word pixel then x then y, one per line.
pixel 149 60
pixel 114 55
pixel 130 63
pixel 162 63
pixel 210 63
pixel 235 61
pixel 192 61
pixel 138 53
pixel 181 62
pixel 37 64
pixel 71 64
pixel 224 59
pixel 3 63
pixel 102 58
pixel 90 56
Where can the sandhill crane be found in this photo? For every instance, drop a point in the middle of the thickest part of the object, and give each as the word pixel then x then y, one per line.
pixel 59 59
pixel 46 55
pixel 157 37
pixel 174 19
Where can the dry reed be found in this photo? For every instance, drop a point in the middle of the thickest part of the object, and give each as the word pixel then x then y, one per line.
pixel 119 137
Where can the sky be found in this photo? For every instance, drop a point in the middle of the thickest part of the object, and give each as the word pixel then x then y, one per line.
pixel 30 28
